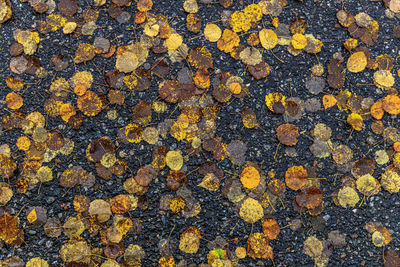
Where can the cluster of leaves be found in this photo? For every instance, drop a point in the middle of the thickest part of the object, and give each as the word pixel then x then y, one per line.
pixel 180 130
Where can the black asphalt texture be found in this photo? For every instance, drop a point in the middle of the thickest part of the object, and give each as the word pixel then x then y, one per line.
pixel 217 217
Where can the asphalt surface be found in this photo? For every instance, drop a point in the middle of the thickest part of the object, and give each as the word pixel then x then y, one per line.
pixel 217 217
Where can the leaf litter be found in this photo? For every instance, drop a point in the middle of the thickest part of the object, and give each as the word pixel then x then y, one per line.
pixel 167 91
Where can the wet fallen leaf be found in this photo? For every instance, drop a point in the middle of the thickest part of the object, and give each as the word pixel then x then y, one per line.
pixel 268 38
pixel 250 177
pixel 212 32
pixel 348 197
pixel 357 62
pixel 287 134
pixel 251 210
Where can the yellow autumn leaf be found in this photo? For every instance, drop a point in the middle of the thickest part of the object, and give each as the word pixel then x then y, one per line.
pixel 329 101
pixel 251 210
pixel 356 121
pixel 189 243
pixel 348 197
pixel 313 247
pixel 32 216
pixel 44 174
pixel 75 251
pixel 298 41
pixel 250 177
pixel 366 184
pixel 37 262
pixel 6 193
pixel 390 181
pixel 383 79
pixel 177 204
pixel 273 98
pixel 73 227
pixel 210 182
pixel 127 62
pixel 174 160
pixel 378 239
pixel 174 41
pixel 23 143
pixel 357 62
pixel 268 38
pixel 212 32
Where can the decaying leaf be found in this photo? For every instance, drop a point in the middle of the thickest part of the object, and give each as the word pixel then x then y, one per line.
pixel 390 181
pixel 171 136
pixel 313 247
pixel 190 240
pixel 258 246
pixel 84 52
pixel 36 262
pixel 391 104
pixel 348 197
pixel 251 210
pixel 174 160
pixel 6 193
pixel 8 227
pixel 101 209
pixel 295 177
pixel 287 134
pixel 75 251
pixel 383 79
pixel 270 228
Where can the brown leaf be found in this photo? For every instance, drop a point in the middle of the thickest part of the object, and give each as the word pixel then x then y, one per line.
pixel 391 258
pixel 160 68
pixel 295 177
pixel 199 57
pixel 287 134
pixel 8 227
pixel 120 204
pixel 84 52
pixel 68 7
